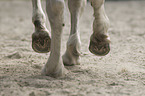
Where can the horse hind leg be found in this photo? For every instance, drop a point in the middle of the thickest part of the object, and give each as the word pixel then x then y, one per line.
pixel 99 41
pixel 40 38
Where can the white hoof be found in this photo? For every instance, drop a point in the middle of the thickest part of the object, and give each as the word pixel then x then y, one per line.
pixel 72 54
pixel 70 59
pixel 53 71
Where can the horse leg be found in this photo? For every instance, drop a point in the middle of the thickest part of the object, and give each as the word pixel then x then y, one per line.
pixel 99 41
pixel 40 38
pixel 55 11
pixel 72 54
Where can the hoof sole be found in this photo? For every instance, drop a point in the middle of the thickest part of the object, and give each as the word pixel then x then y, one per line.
pixel 99 46
pixel 41 42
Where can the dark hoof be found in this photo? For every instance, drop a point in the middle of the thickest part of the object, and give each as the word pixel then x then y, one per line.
pixel 41 42
pixel 65 64
pixel 99 45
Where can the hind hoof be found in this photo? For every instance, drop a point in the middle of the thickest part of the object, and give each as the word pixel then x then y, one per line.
pixel 41 42
pixel 99 45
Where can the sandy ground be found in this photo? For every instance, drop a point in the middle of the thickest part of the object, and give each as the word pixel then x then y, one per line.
pixel 120 73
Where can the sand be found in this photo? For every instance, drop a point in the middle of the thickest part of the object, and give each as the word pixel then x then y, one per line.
pixel 120 73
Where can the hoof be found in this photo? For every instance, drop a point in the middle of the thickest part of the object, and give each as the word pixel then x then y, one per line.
pixel 99 45
pixel 71 59
pixel 53 72
pixel 41 42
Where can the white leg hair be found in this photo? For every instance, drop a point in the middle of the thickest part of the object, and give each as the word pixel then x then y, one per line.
pixel 38 16
pixel 99 41
pixel 55 10
pixel 40 38
pixel 72 53
pixel 101 20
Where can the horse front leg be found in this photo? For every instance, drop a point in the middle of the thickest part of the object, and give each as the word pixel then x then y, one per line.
pixel 54 66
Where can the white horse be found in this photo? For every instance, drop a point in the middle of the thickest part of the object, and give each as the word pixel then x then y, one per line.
pixel 42 43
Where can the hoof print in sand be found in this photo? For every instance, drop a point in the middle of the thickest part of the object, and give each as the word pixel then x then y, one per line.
pixel 14 56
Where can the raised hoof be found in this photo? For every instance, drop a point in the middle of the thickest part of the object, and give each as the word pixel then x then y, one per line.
pixel 41 42
pixel 99 45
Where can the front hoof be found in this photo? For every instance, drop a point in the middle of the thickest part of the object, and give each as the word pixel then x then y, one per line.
pixel 41 42
pixel 99 45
